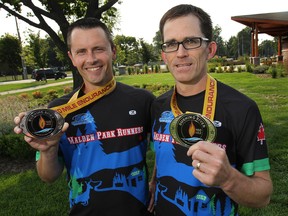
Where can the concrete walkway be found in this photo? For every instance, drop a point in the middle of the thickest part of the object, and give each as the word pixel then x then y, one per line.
pixel 31 88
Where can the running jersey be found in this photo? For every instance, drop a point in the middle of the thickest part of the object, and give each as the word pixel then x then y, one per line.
pixel 240 132
pixel 104 151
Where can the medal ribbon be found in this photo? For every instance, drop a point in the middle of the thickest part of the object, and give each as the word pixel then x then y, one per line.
pixel 209 99
pixel 76 103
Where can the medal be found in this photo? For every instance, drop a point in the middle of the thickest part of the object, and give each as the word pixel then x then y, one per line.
pixel 189 128
pixel 41 123
pixel 44 123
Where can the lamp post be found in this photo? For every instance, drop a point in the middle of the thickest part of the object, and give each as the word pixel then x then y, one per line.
pixel 24 74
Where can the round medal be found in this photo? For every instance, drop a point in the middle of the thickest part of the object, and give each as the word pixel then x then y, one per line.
pixel 41 123
pixel 189 128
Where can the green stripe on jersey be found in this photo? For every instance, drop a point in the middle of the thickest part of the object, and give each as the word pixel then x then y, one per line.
pixel 255 166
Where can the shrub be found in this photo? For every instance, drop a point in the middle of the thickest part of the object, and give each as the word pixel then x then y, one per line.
pixel 136 85
pixel 231 68
pixel 52 92
pixel 249 67
pixel 51 95
pixel 24 96
pixel 144 85
pixel 281 70
pixel 67 89
pixel 219 69
pixel 145 69
pixel 273 71
pixel 130 70
pixel 13 106
pixel 153 87
pixel 239 68
pixel 157 89
pixel 261 69
pixel 14 147
pixel 37 94
pixel 48 98
pixel 157 68
pixel 212 69
pixel 162 89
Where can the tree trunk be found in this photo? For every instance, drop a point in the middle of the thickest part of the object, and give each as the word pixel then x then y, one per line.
pixel 77 79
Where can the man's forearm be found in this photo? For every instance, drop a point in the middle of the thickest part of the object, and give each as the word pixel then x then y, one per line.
pixel 254 191
pixel 48 166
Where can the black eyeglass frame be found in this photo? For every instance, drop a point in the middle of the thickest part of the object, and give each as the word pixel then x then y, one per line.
pixel 182 42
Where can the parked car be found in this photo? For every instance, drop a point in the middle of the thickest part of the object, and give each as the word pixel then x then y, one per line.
pixel 47 73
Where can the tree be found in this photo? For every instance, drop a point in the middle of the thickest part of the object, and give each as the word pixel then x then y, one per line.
pixel 39 49
pixel 41 53
pixel 127 50
pixel 147 52
pixel 10 50
pixel 244 42
pixel 232 47
pixel 54 56
pixel 62 12
pixel 268 48
pixel 157 41
pixel 221 51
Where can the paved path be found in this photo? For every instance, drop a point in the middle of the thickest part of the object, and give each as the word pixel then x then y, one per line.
pixel 17 81
pixel 31 88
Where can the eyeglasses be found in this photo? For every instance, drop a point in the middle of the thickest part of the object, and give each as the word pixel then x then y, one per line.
pixel 189 43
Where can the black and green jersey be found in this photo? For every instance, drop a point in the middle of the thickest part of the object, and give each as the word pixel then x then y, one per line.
pixel 104 151
pixel 240 132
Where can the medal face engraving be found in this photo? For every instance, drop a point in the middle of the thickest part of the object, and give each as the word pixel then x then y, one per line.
pixel 41 123
pixel 189 128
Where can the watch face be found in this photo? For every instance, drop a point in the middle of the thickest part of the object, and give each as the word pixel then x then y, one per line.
pixel 41 123
pixel 189 128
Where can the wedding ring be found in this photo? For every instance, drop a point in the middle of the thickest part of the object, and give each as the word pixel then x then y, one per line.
pixel 198 165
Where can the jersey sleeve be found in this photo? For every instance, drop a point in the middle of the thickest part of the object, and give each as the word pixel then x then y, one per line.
pixel 251 145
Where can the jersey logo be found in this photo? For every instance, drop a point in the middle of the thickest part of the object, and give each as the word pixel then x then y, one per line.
pixel 217 123
pixel 80 119
pixel 132 112
pixel 166 116
pixel 261 134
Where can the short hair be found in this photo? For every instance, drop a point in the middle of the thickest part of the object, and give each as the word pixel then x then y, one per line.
pixel 89 23
pixel 185 10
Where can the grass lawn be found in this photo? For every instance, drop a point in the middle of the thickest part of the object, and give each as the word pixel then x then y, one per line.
pixel 24 194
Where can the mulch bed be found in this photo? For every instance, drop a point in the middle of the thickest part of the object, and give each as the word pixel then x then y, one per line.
pixel 8 165
pixel 264 75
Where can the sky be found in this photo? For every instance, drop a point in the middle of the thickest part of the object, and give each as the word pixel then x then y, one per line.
pixel 140 18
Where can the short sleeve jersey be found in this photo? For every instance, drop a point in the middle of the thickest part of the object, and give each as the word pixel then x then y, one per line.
pixel 104 152
pixel 240 132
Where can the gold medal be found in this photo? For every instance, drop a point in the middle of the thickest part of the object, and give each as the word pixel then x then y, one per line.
pixel 189 128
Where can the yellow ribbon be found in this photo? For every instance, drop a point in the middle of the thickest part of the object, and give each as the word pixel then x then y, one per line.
pixel 76 103
pixel 209 99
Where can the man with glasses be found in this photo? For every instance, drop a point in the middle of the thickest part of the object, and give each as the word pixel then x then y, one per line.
pixel 209 140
